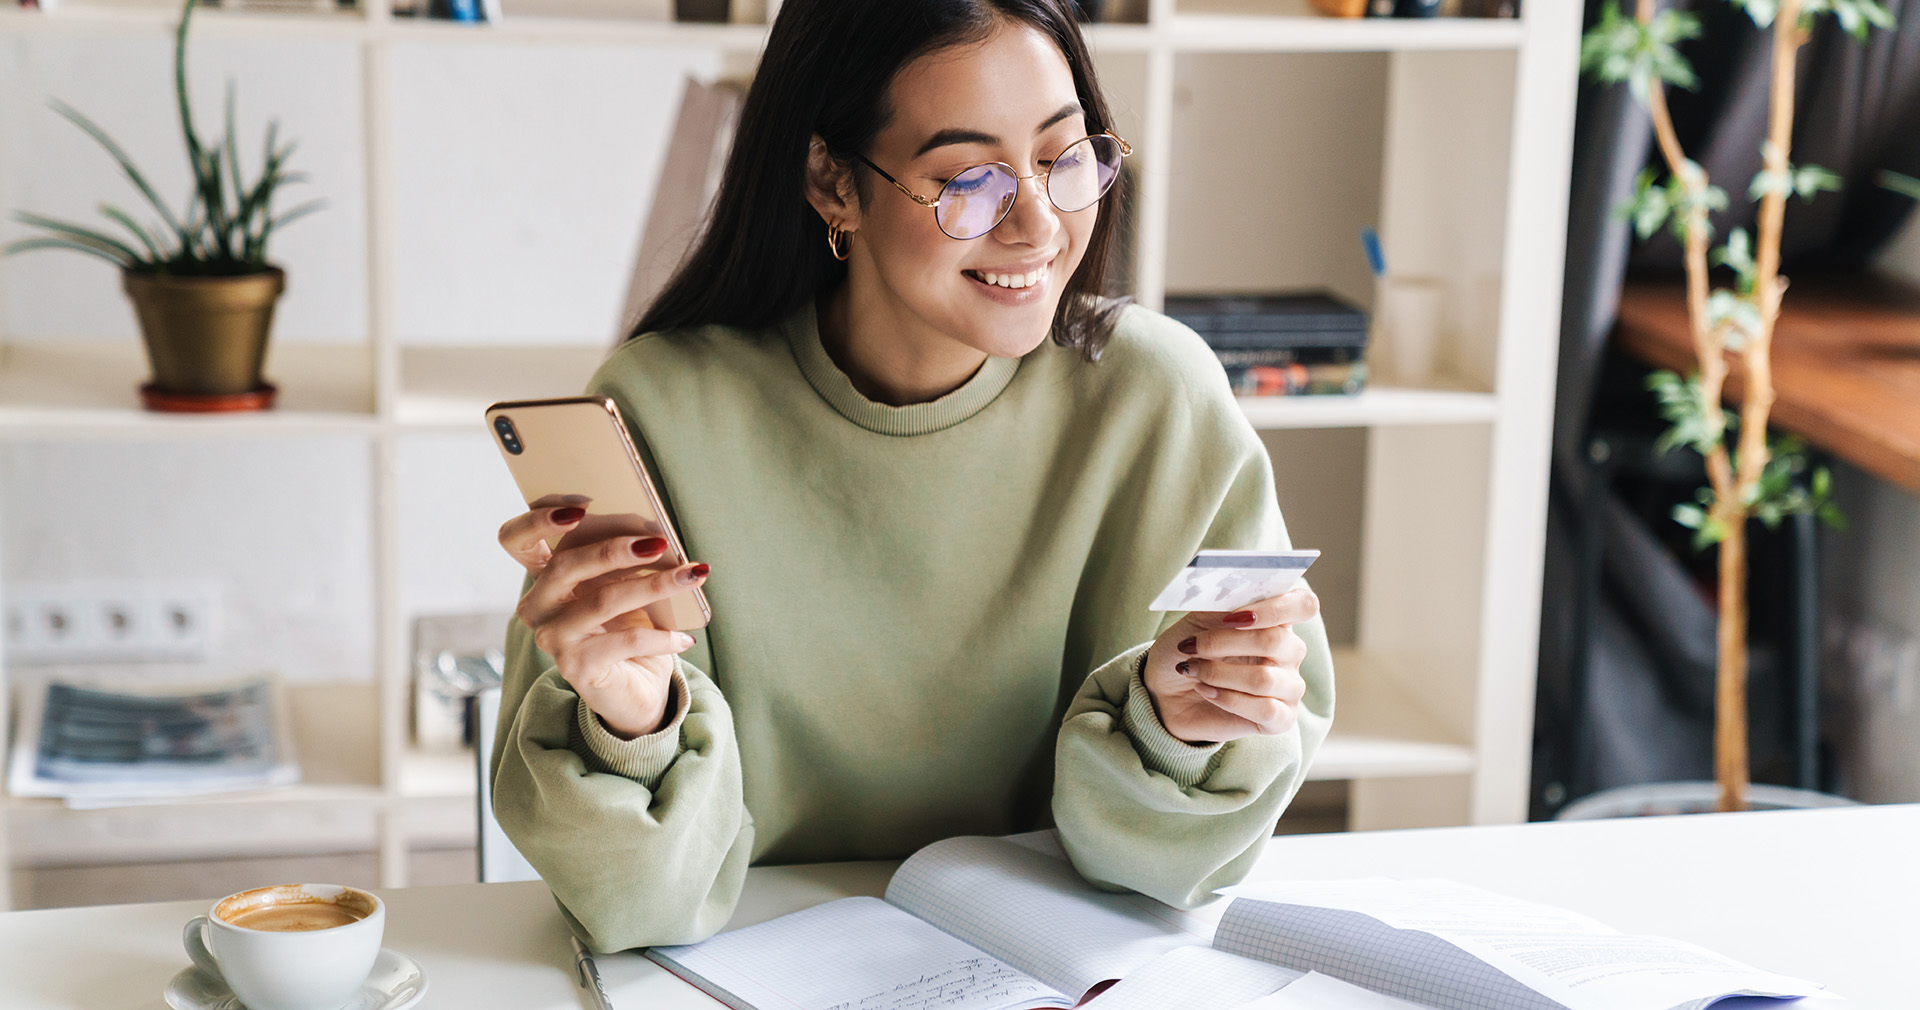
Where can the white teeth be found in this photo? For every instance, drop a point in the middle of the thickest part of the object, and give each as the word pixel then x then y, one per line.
pixel 1016 281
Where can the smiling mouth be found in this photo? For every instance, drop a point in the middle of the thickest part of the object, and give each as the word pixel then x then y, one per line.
pixel 1010 280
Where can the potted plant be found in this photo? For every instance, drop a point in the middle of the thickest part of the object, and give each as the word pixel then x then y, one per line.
pixel 200 281
pixel 1750 478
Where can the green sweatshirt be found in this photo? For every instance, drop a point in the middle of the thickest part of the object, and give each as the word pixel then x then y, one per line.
pixel 927 621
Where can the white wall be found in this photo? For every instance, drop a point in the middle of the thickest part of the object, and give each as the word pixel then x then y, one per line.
pixel 123 81
pixel 281 528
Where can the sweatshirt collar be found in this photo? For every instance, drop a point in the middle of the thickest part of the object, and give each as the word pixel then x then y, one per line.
pixel 803 332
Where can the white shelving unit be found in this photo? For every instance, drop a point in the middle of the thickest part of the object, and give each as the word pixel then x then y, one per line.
pixel 1436 693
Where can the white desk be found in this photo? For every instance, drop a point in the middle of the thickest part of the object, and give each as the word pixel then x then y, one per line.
pixel 1828 895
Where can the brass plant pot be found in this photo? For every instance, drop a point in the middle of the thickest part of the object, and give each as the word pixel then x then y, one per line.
pixel 206 337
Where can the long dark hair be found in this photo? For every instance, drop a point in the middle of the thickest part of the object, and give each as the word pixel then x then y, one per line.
pixel 826 70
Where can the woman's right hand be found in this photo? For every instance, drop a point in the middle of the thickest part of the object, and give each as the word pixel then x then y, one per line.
pixel 585 610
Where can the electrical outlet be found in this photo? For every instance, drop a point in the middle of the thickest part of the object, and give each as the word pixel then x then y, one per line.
pixel 110 621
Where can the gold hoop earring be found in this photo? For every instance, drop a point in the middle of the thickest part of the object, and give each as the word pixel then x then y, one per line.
pixel 834 235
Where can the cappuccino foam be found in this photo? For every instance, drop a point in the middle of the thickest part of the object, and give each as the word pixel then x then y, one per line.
pixel 290 917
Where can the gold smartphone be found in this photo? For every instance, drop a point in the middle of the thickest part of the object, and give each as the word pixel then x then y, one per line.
pixel 579 446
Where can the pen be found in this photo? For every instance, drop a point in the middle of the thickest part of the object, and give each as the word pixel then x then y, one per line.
pixel 589 974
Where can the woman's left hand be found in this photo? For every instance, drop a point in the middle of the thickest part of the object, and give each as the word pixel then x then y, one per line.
pixel 1221 676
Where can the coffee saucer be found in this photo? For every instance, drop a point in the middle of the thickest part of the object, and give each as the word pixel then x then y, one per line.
pixel 397 982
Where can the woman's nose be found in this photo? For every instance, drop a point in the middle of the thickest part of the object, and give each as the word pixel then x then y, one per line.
pixel 1032 220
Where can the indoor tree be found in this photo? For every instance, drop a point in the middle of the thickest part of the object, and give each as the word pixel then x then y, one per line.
pixel 1747 476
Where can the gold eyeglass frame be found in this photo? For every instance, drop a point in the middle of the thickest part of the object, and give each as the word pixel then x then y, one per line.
pixel 1047 175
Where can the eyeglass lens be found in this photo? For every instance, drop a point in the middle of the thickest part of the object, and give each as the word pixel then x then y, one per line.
pixel 975 201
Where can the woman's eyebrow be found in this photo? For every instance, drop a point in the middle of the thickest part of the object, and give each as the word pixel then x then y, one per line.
pixel 960 135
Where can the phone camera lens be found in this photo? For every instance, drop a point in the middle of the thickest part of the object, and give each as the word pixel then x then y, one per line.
pixel 509 439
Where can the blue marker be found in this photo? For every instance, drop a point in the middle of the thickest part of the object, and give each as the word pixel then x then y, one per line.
pixel 1376 259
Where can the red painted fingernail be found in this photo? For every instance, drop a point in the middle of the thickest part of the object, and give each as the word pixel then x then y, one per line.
pixel 569 514
pixel 649 547
pixel 1240 618
pixel 689 576
pixel 1183 668
pixel 1189 646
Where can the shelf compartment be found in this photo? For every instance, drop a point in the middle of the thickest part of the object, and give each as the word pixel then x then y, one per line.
pixel 1294 26
pixel 91 388
pixel 451 387
pixel 1379 732
pixel 1376 406
pixel 92 15
pixel 334 808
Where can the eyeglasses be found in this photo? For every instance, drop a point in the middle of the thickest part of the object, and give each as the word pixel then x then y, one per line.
pixel 975 201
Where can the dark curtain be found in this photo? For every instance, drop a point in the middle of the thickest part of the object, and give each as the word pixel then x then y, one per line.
pixel 1627 622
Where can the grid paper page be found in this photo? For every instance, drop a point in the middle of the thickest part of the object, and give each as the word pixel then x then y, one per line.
pixel 1363 950
pixel 1194 978
pixel 1324 992
pixel 1045 841
pixel 852 954
pixel 1035 912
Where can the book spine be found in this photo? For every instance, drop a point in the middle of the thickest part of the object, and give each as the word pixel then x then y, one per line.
pixel 1325 379
pixel 1246 356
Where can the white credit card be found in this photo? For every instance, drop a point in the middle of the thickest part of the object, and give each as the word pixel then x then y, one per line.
pixel 1225 581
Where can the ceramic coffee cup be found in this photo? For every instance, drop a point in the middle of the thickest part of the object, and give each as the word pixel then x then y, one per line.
pixel 290 946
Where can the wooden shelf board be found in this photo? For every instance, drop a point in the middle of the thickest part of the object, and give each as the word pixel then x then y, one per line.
pixel 451 387
pixel 724 37
pixel 92 15
pixel 1278 26
pixel 1846 364
pixel 1294 26
pixel 90 388
pixel 1379 732
pixel 1371 407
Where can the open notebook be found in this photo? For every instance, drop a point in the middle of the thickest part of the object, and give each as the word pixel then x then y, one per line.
pixel 999 924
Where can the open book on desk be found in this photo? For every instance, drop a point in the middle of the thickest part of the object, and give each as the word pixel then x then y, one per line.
pixel 1002 924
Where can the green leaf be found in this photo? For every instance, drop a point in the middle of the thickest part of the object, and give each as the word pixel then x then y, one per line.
pixel 1830 514
pixel 1762 11
pixel 1683 405
pixel 83 234
pixel 1690 516
pixel 1809 180
pixel 233 149
pixel 1765 182
pixel 1686 200
pixel 140 234
pixel 1905 185
pixel 1737 255
pixel 1856 17
pixel 1648 207
pixel 1710 532
pixel 1738 313
pixel 132 171
pixel 27 244
pixel 1822 482
pixel 1623 48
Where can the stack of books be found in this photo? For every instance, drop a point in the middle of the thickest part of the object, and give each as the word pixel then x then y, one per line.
pixel 1309 343
pixel 108 742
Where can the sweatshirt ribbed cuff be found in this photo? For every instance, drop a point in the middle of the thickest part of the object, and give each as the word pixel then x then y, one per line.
pixel 644 758
pixel 1161 751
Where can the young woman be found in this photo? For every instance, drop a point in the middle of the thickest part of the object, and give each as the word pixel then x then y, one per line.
pixel 931 479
